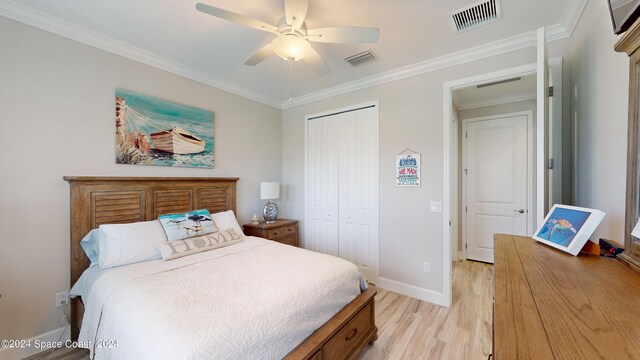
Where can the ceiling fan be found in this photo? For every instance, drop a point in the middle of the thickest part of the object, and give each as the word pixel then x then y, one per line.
pixel 293 37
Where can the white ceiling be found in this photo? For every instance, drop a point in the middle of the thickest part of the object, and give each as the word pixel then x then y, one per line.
pixel 173 35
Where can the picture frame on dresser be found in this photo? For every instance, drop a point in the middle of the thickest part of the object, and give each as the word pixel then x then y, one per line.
pixel 568 228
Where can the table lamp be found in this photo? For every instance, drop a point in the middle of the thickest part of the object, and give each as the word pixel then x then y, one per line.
pixel 270 190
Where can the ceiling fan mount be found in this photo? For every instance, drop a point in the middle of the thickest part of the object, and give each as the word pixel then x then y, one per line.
pixel 293 37
pixel 285 28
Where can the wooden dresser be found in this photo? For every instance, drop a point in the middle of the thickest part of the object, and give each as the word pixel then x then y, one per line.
pixel 551 305
pixel 283 231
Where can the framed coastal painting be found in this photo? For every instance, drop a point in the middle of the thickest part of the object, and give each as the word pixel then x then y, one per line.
pixel 154 131
pixel 568 227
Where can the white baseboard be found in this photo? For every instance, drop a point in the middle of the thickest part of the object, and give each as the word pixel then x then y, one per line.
pixel 36 342
pixel 431 296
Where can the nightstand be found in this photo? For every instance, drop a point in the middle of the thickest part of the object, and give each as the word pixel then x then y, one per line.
pixel 284 231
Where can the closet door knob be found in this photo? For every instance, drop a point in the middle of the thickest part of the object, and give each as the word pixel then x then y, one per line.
pixel 521 211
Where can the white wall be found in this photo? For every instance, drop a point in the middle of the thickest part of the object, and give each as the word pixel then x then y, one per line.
pixel 599 100
pixel 57 118
pixel 411 115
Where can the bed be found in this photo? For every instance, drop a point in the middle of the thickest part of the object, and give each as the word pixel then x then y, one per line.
pixel 107 200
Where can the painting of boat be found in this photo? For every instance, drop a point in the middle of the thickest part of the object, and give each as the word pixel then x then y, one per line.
pixel 177 141
pixel 154 131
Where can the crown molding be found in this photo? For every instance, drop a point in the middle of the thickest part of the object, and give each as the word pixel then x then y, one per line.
pixel 499 47
pixel 556 32
pixel 572 15
pixel 40 20
pixel 13 10
pixel 565 28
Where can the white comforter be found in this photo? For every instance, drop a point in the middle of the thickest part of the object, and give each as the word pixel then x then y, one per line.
pixel 254 300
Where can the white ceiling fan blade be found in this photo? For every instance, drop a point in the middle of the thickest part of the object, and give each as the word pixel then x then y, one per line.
pixel 295 12
pixel 260 55
pixel 236 18
pixel 344 35
pixel 314 60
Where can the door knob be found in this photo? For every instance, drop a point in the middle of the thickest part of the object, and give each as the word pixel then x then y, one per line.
pixel 521 211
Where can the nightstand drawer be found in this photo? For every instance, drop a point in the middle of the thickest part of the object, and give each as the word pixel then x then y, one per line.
pixel 283 230
pixel 275 234
pixel 289 240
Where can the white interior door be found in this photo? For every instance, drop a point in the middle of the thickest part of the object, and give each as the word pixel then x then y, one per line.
pixel 342 187
pixel 362 248
pixel 495 159
pixel 542 129
pixel 321 230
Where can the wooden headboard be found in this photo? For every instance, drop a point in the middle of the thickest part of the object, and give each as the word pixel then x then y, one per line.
pixel 116 200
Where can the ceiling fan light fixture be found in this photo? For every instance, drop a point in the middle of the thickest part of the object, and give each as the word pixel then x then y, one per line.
pixel 290 47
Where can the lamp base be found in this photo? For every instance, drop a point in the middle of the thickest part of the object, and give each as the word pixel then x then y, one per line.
pixel 270 212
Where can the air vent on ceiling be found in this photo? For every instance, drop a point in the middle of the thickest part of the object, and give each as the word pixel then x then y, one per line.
pixel 499 82
pixel 361 58
pixel 476 15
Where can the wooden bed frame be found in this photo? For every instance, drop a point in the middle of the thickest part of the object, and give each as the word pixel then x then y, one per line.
pixel 109 200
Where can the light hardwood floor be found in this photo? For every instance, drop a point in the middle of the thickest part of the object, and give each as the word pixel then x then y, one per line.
pixel 414 329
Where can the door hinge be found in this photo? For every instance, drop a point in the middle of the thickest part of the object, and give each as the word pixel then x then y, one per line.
pixel 465 171
pixel 550 164
pixel 465 246
pixel 449 223
pixel 465 135
pixel 465 209
pixel 550 91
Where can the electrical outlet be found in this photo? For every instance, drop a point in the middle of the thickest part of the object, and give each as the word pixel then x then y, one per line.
pixel 426 267
pixel 435 206
pixel 62 299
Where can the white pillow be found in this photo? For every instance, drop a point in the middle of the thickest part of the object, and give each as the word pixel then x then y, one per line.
pixel 122 244
pixel 227 220
pixel 90 246
pixel 178 248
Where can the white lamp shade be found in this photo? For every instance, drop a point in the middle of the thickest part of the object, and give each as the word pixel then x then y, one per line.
pixel 269 190
pixel 290 47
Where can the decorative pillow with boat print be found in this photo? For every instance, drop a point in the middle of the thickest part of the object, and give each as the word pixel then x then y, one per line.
pixel 187 225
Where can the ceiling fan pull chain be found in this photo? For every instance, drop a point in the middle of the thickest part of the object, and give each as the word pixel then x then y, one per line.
pixel 290 81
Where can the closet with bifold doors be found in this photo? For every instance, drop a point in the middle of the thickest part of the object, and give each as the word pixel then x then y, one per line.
pixel 342 157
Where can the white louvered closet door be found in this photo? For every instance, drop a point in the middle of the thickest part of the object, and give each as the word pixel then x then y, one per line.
pixel 342 187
